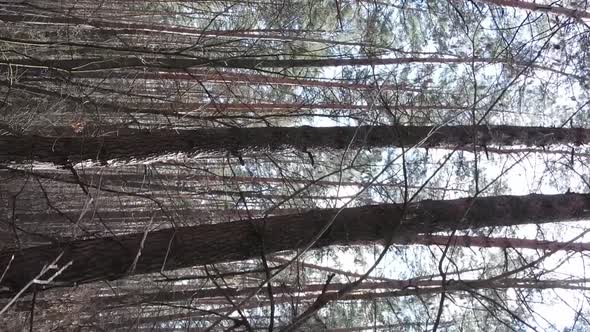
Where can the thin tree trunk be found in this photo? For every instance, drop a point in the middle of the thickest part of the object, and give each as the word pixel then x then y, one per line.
pixel 501 242
pixel 305 292
pixel 178 62
pixel 266 107
pixel 539 7
pixel 113 257
pixel 113 28
pixel 235 140
pixel 231 78
pixel 428 288
pixel 259 36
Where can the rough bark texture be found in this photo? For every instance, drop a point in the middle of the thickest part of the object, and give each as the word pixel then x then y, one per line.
pixel 234 140
pixel 112 258
pixel 179 62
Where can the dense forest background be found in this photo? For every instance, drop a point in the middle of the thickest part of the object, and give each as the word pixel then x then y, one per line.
pixel 294 165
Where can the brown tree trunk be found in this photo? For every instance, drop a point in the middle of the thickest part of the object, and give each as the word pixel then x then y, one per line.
pixel 113 257
pixel 397 289
pixel 266 107
pixel 498 242
pixel 539 7
pixel 234 140
pixel 305 292
pixel 227 77
pixel 175 63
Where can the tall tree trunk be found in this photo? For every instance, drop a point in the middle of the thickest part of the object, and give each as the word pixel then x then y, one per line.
pixel 234 140
pixel 266 107
pixel 540 7
pixel 259 36
pixel 113 257
pixel 498 242
pixel 232 78
pixel 402 289
pixel 178 62
pixel 304 292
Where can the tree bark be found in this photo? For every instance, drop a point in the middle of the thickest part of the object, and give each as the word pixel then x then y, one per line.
pixel 113 257
pixel 539 7
pixel 304 292
pixel 402 289
pixel 234 140
pixel 498 242
pixel 232 78
pixel 186 62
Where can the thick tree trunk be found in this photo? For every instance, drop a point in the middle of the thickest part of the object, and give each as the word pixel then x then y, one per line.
pixel 112 258
pixel 234 140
